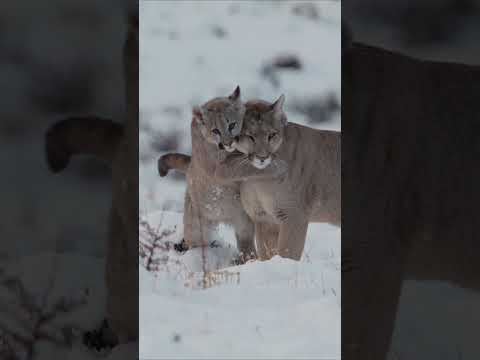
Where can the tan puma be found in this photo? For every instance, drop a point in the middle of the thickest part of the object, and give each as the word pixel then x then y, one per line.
pixel 117 145
pixel 411 175
pixel 280 199
pixel 310 191
pixel 211 199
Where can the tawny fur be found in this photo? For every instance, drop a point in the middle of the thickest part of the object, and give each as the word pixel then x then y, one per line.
pixel 309 191
pixel 176 161
pixel 296 188
pixel 211 196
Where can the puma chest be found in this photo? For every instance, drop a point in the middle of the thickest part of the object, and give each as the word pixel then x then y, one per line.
pixel 258 200
pixel 217 201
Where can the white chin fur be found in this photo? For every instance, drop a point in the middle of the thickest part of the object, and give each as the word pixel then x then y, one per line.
pixel 259 164
pixel 229 148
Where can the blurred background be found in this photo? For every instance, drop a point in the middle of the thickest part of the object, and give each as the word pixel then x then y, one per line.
pixel 443 30
pixel 436 320
pixel 57 60
pixel 192 51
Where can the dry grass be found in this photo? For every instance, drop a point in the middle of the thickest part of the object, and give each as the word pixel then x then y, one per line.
pixel 153 251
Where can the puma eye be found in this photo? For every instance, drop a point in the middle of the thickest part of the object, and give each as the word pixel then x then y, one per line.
pixel 271 136
pixel 251 138
pixel 216 132
pixel 232 126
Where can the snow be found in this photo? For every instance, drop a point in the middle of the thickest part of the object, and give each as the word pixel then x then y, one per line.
pixel 273 309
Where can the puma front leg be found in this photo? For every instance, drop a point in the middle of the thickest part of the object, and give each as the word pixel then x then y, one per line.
pixel 293 231
pixel 266 238
pixel 197 229
pixel 244 234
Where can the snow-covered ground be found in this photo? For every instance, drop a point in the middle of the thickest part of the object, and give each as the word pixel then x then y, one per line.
pixel 274 309
pixel 189 53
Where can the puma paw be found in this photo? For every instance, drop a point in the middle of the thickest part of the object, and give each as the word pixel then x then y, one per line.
pixel 181 247
pixel 242 258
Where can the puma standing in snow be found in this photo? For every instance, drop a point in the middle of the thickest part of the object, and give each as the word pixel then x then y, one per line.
pixel 211 200
pixel 300 183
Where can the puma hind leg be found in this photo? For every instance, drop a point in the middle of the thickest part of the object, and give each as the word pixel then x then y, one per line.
pixel 292 236
pixel 198 231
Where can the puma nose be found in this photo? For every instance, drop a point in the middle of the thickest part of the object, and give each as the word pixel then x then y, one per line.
pixel 221 147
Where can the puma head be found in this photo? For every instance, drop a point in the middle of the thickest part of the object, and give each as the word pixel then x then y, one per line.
pixel 220 120
pixel 263 131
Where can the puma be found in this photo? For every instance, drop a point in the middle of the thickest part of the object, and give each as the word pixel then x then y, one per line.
pixel 282 203
pixel 117 144
pixel 310 190
pixel 211 200
pixel 411 151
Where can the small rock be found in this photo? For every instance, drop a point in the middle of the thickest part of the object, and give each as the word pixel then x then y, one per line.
pixel 177 338
pixel 307 10
pixel 319 109
pixel 280 62
pixel 219 32
pixel 287 61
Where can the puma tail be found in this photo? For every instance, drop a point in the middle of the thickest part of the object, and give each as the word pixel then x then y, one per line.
pixel 81 135
pixel 175 161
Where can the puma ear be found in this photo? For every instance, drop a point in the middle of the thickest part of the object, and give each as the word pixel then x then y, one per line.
pixel 197 114
pixel 277 109
pixel 235 96
pixel 277 106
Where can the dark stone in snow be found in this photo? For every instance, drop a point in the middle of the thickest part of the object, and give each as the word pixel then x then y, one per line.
pixel 177 338
pixel 219 32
